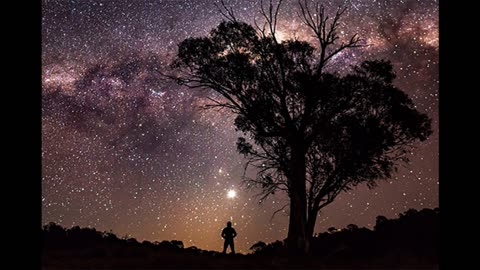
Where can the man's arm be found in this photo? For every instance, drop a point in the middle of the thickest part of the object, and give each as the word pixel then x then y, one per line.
pixel 234 233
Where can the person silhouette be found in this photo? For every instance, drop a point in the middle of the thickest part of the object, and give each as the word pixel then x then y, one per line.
pixel 228 233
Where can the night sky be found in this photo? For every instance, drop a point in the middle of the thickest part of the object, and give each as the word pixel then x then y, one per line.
pixel 125 150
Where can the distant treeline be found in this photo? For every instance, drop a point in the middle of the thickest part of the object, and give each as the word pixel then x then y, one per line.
pixel 410 239
pixel 413 235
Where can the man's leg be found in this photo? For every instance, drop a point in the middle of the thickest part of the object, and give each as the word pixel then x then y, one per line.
pixel 232 246
pixel 225 245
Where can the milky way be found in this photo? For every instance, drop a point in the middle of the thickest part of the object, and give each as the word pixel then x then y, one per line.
pixel 125 150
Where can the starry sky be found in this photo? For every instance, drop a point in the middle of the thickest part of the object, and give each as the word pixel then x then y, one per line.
pixel 125 150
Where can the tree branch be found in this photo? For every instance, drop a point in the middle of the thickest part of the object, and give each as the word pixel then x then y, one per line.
pixel 281 209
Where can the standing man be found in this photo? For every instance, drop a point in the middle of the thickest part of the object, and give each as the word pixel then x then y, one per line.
pixel 228 233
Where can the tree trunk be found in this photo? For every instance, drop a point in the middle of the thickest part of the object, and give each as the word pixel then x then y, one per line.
pixel 297 239
pixel 312 218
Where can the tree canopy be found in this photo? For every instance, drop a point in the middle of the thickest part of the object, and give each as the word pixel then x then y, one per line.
pixel 309 132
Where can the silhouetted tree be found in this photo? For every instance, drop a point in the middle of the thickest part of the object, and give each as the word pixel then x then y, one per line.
pixel 312 132
pixel 258 246
pixel 110 236
pixel 352 227
pixel 332 229
pixel 193 249
pixel 380 222
pixel 408 213
pixel 132 241
pixel 177 243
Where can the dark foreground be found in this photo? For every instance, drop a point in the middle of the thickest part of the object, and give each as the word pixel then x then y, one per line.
pixel 196 261
pixel 409 242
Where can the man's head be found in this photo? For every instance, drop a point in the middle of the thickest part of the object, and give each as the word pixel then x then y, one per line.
pixel 229 224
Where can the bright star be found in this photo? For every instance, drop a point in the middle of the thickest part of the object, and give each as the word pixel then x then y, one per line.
pixel 231 194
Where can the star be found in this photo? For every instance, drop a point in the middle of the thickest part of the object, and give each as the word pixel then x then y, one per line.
pixel 231 194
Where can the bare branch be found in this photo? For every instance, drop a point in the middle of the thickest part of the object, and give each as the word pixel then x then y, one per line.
pixel 279 210
pixel 318 23
pixel 261 30
pixel 353 43
pixel 226 12
pixel 271 17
